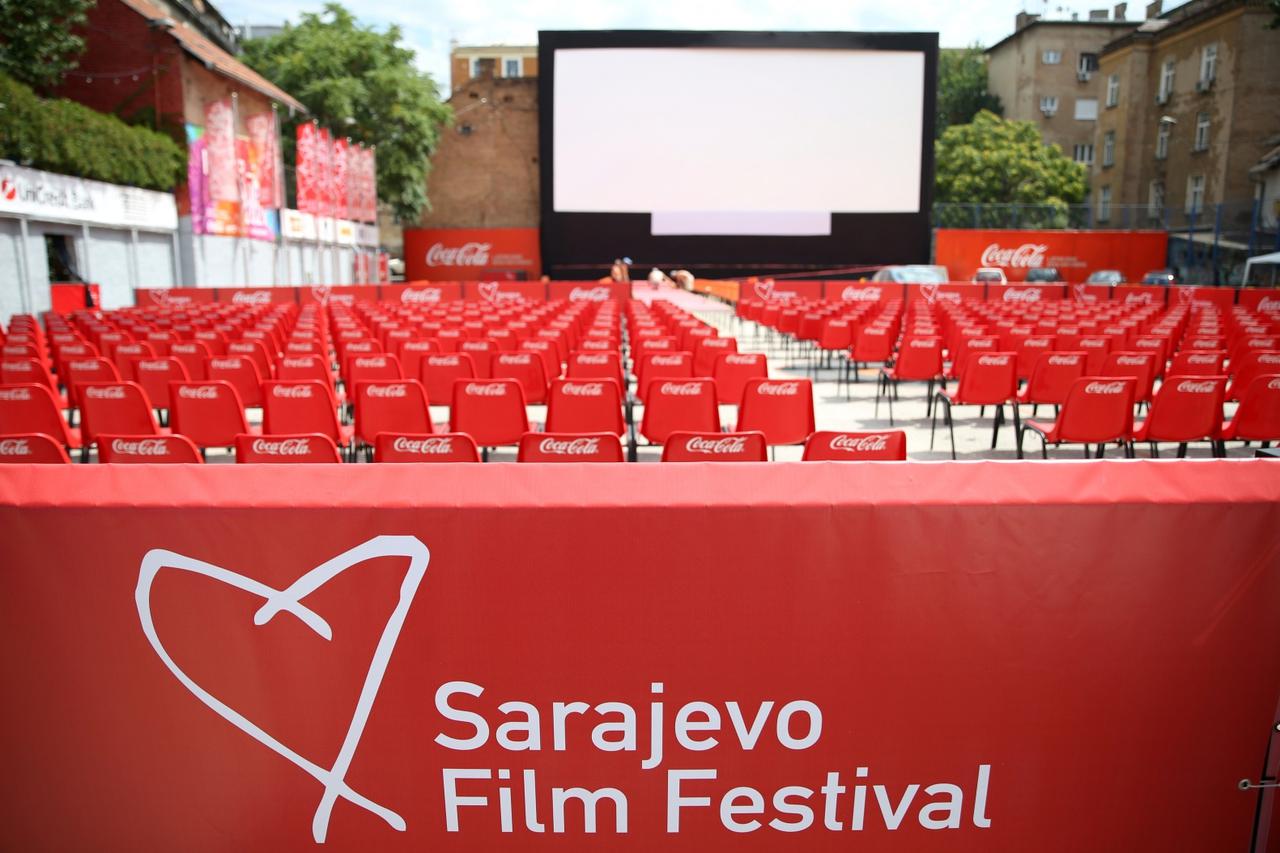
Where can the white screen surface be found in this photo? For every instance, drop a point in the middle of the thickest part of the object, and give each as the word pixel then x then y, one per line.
pixel 703 132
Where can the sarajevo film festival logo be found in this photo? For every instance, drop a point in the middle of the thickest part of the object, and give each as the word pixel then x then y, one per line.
pixel 333 779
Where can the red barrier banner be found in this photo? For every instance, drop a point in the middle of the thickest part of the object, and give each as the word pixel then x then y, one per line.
pixel 472 254
pixel 950 292
pixel 256 295
pixel 1146 294
pixel 338 294
pixel 861 291
pixel 1260 298
pixel 502 291
pixel 173 297
pixel 1025 292
pixel 1075 254
pixel 589 291
pixel 426 293
pixel 1090 292
pixel 768 289
pixel 1202 295
pixel 987 657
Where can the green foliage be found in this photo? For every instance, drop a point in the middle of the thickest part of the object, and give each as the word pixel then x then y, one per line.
pixel 993 160
pixel 962 87
pixel 36 43
pixel 359 83
pixel 68 138
pixel 1275 7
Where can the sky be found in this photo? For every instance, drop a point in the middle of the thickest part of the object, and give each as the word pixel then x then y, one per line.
pixel 429 27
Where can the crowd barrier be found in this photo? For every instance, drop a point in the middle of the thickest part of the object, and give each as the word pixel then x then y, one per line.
pixel 984 657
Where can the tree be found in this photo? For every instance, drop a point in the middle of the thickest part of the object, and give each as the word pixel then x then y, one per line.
pixel 962 87
pixel 994 160
pixel 37 46
pixel 362 84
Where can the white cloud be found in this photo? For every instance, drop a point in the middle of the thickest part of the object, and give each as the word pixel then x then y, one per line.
pixel 430 27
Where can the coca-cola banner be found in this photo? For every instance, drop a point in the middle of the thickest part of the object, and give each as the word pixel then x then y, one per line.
pixel 256 295
pixel 861 291
pixel 422 292
pixel 589 291
pixel 1025 292
pixel 471 254
pixel 501 291
pixel 1144 294
pixel 1074 254
pixel 983 657
pixel 768 289
pixel 1261 299
pixel 172 297
pixel 950 292
pixel 338 294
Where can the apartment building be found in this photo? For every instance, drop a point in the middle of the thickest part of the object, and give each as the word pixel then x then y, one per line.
pixel 495 60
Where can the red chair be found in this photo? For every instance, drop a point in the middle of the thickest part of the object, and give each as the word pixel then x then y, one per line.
pixel 441 370
pixel 115 408
pixel 193 355
pixel 1096 348
pixel 242 373
pixel 585 406
pixel 437 447
pixel 569 447
pixel 26 371
pixel 208 413
pixel 285 449
pixel 155 374
pixel 377 367
pixel 481 351
pixel 548 352
pixel 26 409
pixel 124 353
pixel 597 365
pixel 662 365
pixel 1249 367
pixel 526 368
pixel 732 372
pixel 1098 410
pixel 397 407
pixel 678 405
pixel 856 447
pixel 411 352
pixel 1141 366
pixel 1189 362
pixel 707 349
pixel 295 368
pixel 254 350
pixel 1185 409
pixel 77 371
pixel 491 411
pixel 147 449
pixel 1258 416
pixel 782 409
pixel 32 449
pixel 988 379
pixel 1051 379
pixel 873 345
pixel 919 360
pixel 1029 349
pixel 682 446
pixel 300 408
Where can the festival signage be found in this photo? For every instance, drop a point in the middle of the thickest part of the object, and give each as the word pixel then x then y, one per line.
pixel 1075 254
pixel 44 195
pixel 297 658
pixel 452 254
pixel 233 180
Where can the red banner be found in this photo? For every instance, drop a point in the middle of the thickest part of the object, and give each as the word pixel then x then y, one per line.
pixel 326 191
pixel 500 291
pixel 308 165
pixel 951 292
pixel 861 291
pixel 471 254
pixel 768 289
pixel 341 178
pixel 256 295
pixel 338 294
pixel 264 142
pixel 1261 299
pixel 589 291
pixel 243 658
pixel 173 297
pixel 1150 294
pixel 424 293
pixel 1075 254
pixel 1025 292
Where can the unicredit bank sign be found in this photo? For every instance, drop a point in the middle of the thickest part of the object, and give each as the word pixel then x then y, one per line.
pixel 471 254
pixel 292 659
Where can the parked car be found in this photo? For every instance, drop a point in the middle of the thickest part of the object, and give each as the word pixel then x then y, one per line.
pixel 989 275
pixel 1112 277
pixel 913 274
pixel 1044 275
pixel 1164 277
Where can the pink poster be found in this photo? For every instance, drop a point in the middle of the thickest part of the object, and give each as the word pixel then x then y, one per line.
pixel 339 175
pixel 306 172
pixel 220 152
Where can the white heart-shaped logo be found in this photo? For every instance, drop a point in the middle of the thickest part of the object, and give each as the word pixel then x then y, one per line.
pixel 321 293
pixel 489 290
pixel 764 290
pixel 929 292
pixel 1186 295
pixel 159 297
pixel 290 599
pixel 1083 294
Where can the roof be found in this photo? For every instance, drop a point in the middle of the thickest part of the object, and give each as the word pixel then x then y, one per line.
pixel 196 44
pixel 1042 23
pixel 1269 161
pixel 1177 20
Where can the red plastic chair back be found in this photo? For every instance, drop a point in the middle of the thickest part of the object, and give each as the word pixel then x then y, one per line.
pixel 241 372
pixel 585 406
pixel 376 367
pixel 988 379
pixel 1096 348
pixel 1029 349
pixel 732 372
pixel 707 349
pixel 255 350
pixel 437 447
pixel 683 446
pixel 295 368
pixel 122 354
pixel 1139 365
pixel 1192 362
pixel 115 408
pixel 147 449
pixel 411 352
pixel 193 355
pixel 155 374
pixel 873 344
pixel 398 407
pixel 491 411
pixel 679 405
pixel 525 367
pixel 662 365
pixel 569 447
pixel 888 446
pixel 298 408
pixel 782 409
pixel 548 351
pixel 481 351
pixel 1053 376
pixel 209 413
pixel 919 359
pixel 33 408
pixel 26 371
pixel 1249 366
pixel 1186 408
pixel 440 370
pixel 31 449
pixel 1098 409
pixel 286 449
pixel 77 371
pixel 596 365
pixel 1258 416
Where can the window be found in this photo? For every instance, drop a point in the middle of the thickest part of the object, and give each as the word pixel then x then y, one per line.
pixel 1155 200
pixel 1051 57
pixel 1083 153
pixel 512 67
pixel 1166 82
pixel 1086 109
pixel 1086 65
pixel 1104 204
pixel 1195 193
pixel 1113 90
pixel 1162 141
pixel 1049 104
pixel 1208 63
pixel 1202 132
pixel 1109 148
pixel 476 68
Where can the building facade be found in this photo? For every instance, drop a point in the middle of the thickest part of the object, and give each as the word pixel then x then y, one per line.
pixel 1046 72
pixel 496 60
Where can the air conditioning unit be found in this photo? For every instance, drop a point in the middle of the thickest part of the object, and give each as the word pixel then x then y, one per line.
pixel 1204 85
pixel 1162 98
pixel 1084 76
pixel 1048 111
